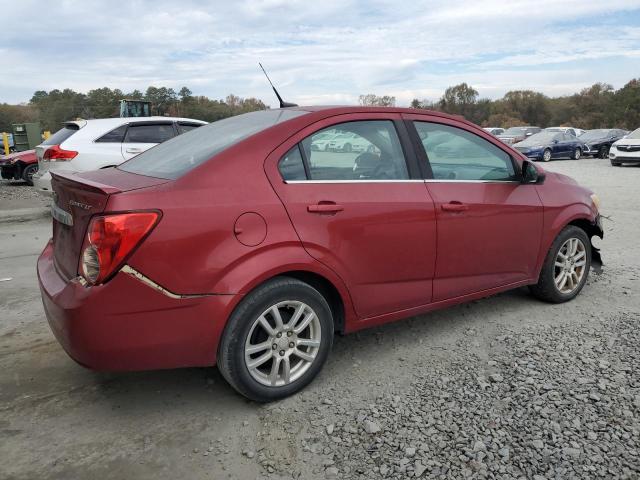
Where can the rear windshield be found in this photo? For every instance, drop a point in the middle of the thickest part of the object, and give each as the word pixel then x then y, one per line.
pixel 181 154
pixel 61 135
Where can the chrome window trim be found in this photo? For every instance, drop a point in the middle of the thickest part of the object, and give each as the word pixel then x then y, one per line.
pixel 353 181
pixel 427 180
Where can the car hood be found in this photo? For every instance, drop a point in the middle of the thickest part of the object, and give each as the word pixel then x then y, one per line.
pixel 628 141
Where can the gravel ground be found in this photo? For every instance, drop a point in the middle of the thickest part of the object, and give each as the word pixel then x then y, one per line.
pixel 17 194
pixel 506 387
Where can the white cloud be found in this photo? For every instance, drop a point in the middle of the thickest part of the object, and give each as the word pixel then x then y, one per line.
pixel 327 52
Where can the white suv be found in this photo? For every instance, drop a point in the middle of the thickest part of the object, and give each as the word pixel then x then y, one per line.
pixel 84 145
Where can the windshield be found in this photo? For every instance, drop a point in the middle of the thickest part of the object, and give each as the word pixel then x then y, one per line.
pixel 515 131
pixel 539 138
pixel 635 134
pixel 181 154
pixel 598 133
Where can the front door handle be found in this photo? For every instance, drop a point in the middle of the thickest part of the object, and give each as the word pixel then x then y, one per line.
pixel 325 208
pixel 134 150
pixel 454 207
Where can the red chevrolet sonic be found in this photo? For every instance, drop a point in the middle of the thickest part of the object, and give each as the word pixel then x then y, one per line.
pixel 249 242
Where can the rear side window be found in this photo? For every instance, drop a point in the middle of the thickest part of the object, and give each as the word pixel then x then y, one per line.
pixel 456 154
pixel 291 165
pixel 61 135
pixel 114 136
pixel 181 154
pixel 157 133
pixel 363 150
pixel 187 127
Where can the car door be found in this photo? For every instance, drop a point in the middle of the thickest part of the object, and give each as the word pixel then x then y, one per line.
pixel 142 136
pixel 558 146
pixel 489 224
pixel 366 215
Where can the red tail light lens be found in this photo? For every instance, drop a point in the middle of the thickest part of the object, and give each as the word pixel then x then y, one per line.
pixel 110 240
pixel 56 154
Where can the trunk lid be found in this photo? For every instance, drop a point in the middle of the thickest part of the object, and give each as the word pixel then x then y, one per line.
pixel 76 199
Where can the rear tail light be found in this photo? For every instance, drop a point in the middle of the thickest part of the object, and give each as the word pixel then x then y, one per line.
pixel 56 154
pixel 110 240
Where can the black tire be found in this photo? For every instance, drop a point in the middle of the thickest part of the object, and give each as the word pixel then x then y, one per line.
pixel 231 360
pixel 604 152
pixel 546 155
pixel 28 172
pixel 577 153
pixel 546 288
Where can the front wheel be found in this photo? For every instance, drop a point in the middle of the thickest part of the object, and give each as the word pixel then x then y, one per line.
pixel 565 268
pixel 577 153
pixel 604 152
pixel 546 156
pixel 29 172
pixel 276 340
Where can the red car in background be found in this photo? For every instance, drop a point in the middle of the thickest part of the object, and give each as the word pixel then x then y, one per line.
pixel 19 166
pixel 240 244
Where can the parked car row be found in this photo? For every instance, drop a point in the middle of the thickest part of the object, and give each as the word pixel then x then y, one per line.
pixel 561 142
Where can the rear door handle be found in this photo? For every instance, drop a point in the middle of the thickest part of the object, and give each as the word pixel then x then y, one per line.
pixel 454 207
pixel 325 208
pixel 134 150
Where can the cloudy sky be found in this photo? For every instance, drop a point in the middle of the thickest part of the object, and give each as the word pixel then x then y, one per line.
pixel 318 51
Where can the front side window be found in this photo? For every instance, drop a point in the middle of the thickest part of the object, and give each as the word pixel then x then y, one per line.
pixel 362 150
pixel 157 133
pixel 456 154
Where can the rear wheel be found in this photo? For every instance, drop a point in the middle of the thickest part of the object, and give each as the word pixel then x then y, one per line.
pixel 29 172
pixel 577 153
pixel 565 268
pixel 277 340
pixel 546 156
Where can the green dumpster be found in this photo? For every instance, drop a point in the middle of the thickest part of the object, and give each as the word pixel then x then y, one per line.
pixel 26 136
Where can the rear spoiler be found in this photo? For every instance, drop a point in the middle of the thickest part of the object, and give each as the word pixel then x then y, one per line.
pixel 84 183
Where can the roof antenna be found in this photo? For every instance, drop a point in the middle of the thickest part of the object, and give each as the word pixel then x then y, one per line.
pixel 283 104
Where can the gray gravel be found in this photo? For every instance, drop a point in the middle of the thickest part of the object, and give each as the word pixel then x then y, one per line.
pixel 17 194
pixel 561 402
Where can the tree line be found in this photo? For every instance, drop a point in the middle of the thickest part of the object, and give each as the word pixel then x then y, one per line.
pixel 598 106
pixel 53 108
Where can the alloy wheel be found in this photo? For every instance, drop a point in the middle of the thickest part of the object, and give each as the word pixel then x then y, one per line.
pixel 282 343
pixel 570 265
pixel 546 156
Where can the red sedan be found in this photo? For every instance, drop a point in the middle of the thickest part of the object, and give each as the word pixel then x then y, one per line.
pixel 241 244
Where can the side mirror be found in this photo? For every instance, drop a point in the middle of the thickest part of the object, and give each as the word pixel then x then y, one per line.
pixel 530 173
pixel 555 141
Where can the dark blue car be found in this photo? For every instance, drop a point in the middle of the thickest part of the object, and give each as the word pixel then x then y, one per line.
pixel 549 145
